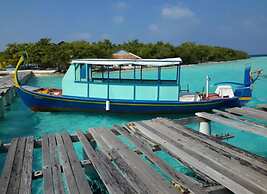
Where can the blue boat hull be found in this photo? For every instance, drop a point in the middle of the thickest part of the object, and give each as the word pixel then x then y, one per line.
pixel 49 103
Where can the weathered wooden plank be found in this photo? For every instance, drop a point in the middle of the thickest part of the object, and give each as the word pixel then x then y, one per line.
pixel 55 166
pixel 67 169
pixel 17 167
pixel 240 119
pixel 39 173
pixel 206 181
pixel 6 173
pixel 128 172
pixel 221 147
pixel 111 177
pixel 78 172
pixel 47 171
pixel 232 123
pixel 38 142
pixel 150 178
pixel 187 183
pixel 26 175
pixel 237 178
pixel 249 112
pixel 187 120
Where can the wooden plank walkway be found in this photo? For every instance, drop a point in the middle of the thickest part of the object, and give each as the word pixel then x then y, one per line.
pixel 6 81
pixel 182 181
pixel 225 149
pixel 121 154
pixel 249 112
pixel 238 118
pixel 121 170
pixel 17 173
pixel 233 123
pixel 238 177
pixel 218 166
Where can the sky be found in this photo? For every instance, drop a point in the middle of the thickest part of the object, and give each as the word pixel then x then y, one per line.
pixel 238 24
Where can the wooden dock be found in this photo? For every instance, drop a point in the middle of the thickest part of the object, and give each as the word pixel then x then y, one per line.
pixel 6 81
pixel 121 170
pixel 217 165
pixel 7 89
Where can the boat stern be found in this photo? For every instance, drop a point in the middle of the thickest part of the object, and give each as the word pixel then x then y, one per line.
pixel 244 92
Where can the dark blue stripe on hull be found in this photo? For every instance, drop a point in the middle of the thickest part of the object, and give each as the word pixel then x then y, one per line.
pixel 40 102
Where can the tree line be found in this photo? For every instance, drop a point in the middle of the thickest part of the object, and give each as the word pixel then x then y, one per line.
pixel 47 54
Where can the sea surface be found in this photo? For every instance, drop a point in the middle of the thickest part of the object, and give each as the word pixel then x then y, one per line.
pixel 21 121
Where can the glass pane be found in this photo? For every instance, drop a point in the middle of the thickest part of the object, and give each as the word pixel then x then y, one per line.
pixel 168 73
pixel 83 71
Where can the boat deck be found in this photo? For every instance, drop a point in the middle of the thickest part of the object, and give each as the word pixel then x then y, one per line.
pixel 217 165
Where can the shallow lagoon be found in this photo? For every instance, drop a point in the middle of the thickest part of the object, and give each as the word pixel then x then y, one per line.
pixel 21 121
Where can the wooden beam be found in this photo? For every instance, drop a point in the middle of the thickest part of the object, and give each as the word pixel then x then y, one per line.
pixel 185 182
pixel 111 177
pixel 237 178
pixel 39 173
pixel 38 142
pixel 232 123
pixel 67 168
pixel 150 178
pixel 15 177
pixel 249 112
pixel 6 173
pixel 238 118
pixel 55 166
pixel 47 170
pixel 26 175
pixel 78 172
pixel 257 162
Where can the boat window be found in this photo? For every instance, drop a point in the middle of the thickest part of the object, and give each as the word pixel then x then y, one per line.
pixel 83 71
pixel 89 72
pixel 80 72
pixel 168 73
pixel 150 73
pixel 141 75
pixel 77 72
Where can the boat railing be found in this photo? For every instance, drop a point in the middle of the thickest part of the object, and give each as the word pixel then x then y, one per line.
pixel 144 82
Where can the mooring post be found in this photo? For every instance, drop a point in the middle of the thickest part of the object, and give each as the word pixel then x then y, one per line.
pixel 2 110
pixel 204 126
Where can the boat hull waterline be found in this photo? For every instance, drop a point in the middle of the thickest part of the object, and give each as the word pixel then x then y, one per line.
pixel 50 103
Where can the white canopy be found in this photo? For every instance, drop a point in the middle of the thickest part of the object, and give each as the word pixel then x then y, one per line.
pixel 145 62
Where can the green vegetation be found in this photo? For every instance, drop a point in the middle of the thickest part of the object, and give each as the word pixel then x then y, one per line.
pixel 50 55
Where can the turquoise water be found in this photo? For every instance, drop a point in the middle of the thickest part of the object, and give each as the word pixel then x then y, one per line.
pixel 20 121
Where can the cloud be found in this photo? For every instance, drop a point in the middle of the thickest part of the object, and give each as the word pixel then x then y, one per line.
pixel 153 28
pixel 177 12
pixel 120 5
pixel 118 19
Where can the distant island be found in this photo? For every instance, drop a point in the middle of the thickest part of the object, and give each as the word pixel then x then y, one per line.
pixel 47 54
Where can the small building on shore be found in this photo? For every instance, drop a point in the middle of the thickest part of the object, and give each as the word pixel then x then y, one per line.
pixel 123 54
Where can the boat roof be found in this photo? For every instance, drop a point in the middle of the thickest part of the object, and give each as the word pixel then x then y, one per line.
pixel 143 62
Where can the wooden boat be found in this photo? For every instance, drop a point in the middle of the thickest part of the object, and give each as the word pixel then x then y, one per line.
pixel 85 89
